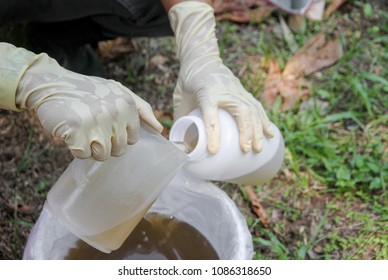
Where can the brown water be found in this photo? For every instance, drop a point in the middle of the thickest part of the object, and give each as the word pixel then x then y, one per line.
pixel 156 237
pixel 113 238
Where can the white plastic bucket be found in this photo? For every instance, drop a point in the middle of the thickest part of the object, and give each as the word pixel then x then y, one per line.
pixel 196 202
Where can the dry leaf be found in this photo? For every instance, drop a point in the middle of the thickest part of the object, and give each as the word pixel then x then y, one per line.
pixel 166 119
pixel 235 16
pixel 290 85
pixel 334 5
pixel 242 11
pixel 378 70
pixel 291 89
pixel 274 78
pixel 158 61
pixel 256 205
pixel 318 53
pixel 113 49
pixel 225 6
pixel 261 13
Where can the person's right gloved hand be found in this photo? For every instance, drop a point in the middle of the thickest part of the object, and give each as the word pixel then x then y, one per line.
pixel 204 81
pixel 94 116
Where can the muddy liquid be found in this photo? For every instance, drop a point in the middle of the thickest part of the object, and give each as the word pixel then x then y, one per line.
pixel 156 237
pixel 113 238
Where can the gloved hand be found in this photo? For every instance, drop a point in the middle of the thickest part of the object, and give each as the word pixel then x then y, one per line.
pixel 95 117
pixel 205 82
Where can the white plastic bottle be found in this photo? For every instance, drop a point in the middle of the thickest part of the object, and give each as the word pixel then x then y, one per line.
pixel 230 163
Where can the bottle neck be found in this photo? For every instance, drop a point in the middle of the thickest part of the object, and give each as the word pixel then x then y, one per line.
pixel 188 134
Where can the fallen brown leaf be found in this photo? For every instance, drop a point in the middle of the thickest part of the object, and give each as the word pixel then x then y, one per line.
pixel 291 89
pixel 235 16
pixel 113 49
pixel 378 70
pixel 319 52
pixel 165 118
pixel 274 78
pixel 159 61
pixel 224 6
pixel 253 11
pixel 334 5
pixel 256 205
pixel 261 13
pixel 158 114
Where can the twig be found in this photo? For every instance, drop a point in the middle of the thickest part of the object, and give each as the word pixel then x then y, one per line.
pixel 333 7
pixel 256 206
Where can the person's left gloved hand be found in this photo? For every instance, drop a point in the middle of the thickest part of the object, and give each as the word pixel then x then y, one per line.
pixel 205 82
pixel 94 116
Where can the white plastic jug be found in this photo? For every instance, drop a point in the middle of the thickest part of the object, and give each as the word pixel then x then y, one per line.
pixel 101 202
pixel 230 163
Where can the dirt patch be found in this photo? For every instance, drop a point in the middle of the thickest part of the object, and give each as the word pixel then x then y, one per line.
pixel 31 161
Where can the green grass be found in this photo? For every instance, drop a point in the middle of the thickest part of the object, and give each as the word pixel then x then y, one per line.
pixel 329 200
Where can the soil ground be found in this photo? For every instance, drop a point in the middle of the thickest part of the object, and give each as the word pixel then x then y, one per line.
pixel 31 161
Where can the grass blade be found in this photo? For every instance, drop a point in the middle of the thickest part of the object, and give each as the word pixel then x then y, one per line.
pixel 360 90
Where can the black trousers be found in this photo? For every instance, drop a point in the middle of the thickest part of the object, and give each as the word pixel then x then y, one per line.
pixel 77 22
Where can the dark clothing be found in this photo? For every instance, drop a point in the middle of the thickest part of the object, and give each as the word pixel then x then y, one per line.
pixel 65 29
pixel 103 18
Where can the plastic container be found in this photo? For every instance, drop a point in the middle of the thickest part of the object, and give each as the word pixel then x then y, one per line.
pixel 230 163
pixel 101 202
pixel 196 202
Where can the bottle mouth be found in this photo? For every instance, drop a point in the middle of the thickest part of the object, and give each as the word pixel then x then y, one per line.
pixel 187 133
pixel 189 141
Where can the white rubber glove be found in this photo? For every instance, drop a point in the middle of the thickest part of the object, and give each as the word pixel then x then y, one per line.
pixel 204 82
pixel 95 117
